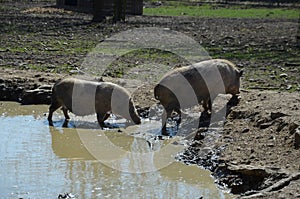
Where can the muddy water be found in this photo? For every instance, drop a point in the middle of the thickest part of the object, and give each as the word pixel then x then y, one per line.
pixel 38 161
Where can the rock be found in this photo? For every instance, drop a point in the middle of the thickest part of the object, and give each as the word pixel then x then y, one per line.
pixel 45 87
pixel 297 139
pixel 270 144
pixel 41 95
pixel 289 87
pixel 10 92
pixel 281 126
pixel 283 75
pixel 291 64
pixel 199 136
pixel 250 177
pixel 275 115
pixel 265 125
pixel 284 180
pixel 246 130
pixel 293 127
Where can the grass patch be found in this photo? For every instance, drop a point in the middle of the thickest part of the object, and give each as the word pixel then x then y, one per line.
pixel 146 56
pixel 265 69
pixel 64 68
pixel 221 12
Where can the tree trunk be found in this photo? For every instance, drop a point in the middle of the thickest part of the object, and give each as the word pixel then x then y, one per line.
pixel 98 6
pixel 119 10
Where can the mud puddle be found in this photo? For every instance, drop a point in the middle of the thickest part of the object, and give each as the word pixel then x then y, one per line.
pixel 38 161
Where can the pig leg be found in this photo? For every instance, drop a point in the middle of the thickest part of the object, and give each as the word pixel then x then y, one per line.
pixel 53 107
pixel 178 111
pixel 106 116
pixel 65 111
pixel 166 114
pixel 101 117
pixel 207 105
pixel 204 105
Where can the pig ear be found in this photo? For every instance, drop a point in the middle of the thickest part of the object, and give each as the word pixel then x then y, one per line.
pixel 241 72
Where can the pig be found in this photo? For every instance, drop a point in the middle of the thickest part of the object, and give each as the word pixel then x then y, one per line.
pixel 195 84
pixel 84 97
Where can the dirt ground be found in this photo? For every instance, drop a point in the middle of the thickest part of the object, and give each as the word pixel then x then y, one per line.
pixel 258 150
pixel 256 153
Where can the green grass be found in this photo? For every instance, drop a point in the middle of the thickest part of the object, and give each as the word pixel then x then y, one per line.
pixel 221 12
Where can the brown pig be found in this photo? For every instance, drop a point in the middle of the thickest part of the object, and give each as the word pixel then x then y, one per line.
pixel 87 97
pixel 199 83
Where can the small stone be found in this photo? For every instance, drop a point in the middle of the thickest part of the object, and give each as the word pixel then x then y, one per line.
pixel 293 128
pixel 291 64
pixel 283 75
pixel 265 125
pixel 199 136
pixel 275 115
pixel 289 87
pixel 297 139
pixel 234 162
pixel 263 68
pixel 246 130
pixel 270 144
pixel 72 72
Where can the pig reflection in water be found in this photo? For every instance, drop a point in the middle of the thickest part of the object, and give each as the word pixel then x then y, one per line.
pixel 182 180
pixel 87 97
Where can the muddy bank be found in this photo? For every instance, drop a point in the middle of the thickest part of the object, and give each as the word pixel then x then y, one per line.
pixel 257 154
pixel 26 86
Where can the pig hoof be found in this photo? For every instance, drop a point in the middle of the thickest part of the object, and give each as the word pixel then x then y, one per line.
pixel 165 133
pixel 50 122
pixel 66 122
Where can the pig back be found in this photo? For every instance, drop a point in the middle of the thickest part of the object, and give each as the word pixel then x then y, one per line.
pixel 184 86
pixel 220 76
pixel 192 84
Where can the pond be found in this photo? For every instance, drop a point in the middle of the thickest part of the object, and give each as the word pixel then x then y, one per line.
pixel 42 161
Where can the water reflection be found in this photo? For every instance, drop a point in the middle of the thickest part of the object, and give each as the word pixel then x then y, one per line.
pixel 38 161
pixel 67 144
